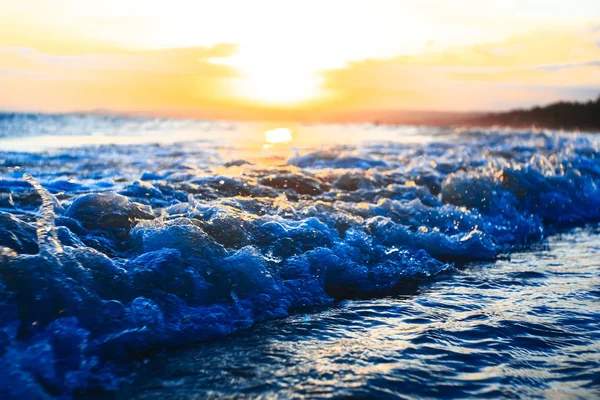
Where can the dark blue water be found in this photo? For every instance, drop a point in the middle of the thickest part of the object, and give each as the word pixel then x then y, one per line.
pixel 527 327
pixel 153 258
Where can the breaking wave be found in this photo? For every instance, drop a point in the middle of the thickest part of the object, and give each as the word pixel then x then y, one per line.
pixel 110 252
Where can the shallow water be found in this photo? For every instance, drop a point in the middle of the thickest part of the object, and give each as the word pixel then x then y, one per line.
pixel 122 238
pixel 528 327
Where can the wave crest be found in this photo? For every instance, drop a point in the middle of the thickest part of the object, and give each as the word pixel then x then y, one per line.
pixel 139 261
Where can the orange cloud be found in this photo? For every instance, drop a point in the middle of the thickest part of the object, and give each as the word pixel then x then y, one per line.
pixel 483 76
pixel 118 80
pixel 535 68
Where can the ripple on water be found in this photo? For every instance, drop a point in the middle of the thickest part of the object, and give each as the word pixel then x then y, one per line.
pixel 111 252
pixel 450 339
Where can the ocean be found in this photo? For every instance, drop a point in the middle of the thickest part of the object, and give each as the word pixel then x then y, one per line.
pixel 157 258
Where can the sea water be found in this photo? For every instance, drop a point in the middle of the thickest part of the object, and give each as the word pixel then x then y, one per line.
pixel 145 257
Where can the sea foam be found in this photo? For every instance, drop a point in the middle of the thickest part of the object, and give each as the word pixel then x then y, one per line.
pixel 110 252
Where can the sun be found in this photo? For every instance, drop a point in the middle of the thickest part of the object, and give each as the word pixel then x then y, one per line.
pixel 272 79
pixel 277 87
pixel 278 82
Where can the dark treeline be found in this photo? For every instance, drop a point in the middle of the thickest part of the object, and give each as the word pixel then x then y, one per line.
pixel 561 115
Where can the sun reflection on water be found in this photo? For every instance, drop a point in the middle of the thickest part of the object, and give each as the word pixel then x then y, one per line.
pixel 278 135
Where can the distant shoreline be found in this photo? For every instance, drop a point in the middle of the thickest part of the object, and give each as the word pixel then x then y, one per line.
pixel 583 116
pixel 561 115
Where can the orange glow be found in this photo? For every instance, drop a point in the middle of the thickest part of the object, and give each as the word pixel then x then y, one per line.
pixel 278 135
pixel 299 60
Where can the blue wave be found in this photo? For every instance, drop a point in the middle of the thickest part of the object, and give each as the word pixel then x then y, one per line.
pixel 150 247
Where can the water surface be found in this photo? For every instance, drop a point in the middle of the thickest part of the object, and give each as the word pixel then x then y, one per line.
pixel 290 260
pixel 528 327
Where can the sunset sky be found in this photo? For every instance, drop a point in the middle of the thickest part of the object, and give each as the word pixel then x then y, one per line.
pixel 254 59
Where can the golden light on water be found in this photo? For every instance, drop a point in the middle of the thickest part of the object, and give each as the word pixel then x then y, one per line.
pixel 278 135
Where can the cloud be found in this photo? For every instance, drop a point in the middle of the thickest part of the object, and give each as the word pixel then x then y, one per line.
pixel 558 67
pixel 183 60
pixel 534 68
pixel 117 79
pixel 482 76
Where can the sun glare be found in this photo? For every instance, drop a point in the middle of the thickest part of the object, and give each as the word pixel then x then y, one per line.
pixel 275 79
pixel 279 88
pixel 278 135
pixel 276 83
